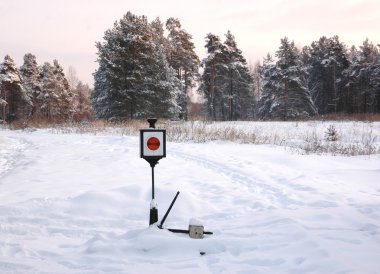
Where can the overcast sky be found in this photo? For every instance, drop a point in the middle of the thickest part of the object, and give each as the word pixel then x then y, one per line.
pixel 67 30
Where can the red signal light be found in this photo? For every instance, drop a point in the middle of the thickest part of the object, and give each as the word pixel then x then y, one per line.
pixel 153 143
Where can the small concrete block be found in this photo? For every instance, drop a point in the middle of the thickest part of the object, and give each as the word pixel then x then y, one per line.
pixel 196 231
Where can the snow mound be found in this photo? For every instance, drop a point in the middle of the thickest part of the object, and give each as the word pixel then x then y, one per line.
pixel 157 244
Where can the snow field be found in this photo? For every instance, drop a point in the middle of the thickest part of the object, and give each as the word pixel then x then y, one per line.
pixel 79 203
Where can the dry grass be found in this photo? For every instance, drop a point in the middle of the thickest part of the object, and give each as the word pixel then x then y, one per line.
pixel 314 144
pixel 200 132
pixel 307 137
pixel 363 117
pixel 302 137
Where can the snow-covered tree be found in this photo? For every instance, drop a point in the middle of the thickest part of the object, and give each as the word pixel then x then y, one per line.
pixel 65 100
pixel 238 82
pixel 35 92
pixel 164 88
pixel 285 93
pixel 55 97
pixel 183 59
pixel 361 86
pixel 211 78
pixel 328 59
pixel 267 71
pixel 255 71
pixel 226 81
pixel 31 73
pixel 375 83
pixel 158 33
pixel 101 96
pixel 48 97
pixel 132 73
pixel 82 102
pixel 15 102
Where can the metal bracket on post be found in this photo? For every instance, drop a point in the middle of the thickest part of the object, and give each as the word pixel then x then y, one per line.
pixel 152 122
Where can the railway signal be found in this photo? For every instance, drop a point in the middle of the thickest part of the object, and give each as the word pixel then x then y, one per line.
pixel 152 149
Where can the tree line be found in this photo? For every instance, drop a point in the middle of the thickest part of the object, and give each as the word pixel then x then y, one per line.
pixel 322 78
pixel 143 72
pixel 41 92
pixel 149 68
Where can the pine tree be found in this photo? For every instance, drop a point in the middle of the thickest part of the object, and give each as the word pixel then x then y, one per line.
pixel 285 93
pixel 328 59
pixel 211 80
pixel 226 81
pixel 166 98
pixel 349 99
pixel 375 82
pixel 267 71
pixel 82 102
pixel 48 97
pixel 133 72
pixel 162 88
pixel 101 96
pixel 238 95
pixel 362 85
pixel 255 71
pixel 122 60
pixel 15 102
pixel 55 97
pixel 183 59
pixel 65 95
pixel 158 35
pixel 31 72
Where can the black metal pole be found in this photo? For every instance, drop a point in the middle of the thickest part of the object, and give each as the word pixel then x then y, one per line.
pixel 153 216
pixel 168 211
pixel 152 182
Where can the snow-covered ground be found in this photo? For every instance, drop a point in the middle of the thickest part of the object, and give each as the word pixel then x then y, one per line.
pixel 79 203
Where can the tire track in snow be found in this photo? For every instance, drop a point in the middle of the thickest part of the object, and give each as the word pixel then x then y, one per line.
pixel 276 196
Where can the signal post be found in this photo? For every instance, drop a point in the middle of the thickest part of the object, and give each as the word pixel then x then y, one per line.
pixel 152 149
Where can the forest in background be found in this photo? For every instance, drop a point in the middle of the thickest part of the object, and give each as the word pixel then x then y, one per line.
pixel 149 68
pixel 42 92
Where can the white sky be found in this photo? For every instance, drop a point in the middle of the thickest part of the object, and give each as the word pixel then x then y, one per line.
pixel 67 30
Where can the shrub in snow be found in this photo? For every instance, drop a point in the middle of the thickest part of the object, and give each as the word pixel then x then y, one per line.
pixel 331 134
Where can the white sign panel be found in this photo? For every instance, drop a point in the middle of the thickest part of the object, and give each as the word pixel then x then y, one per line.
pixel 153 143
